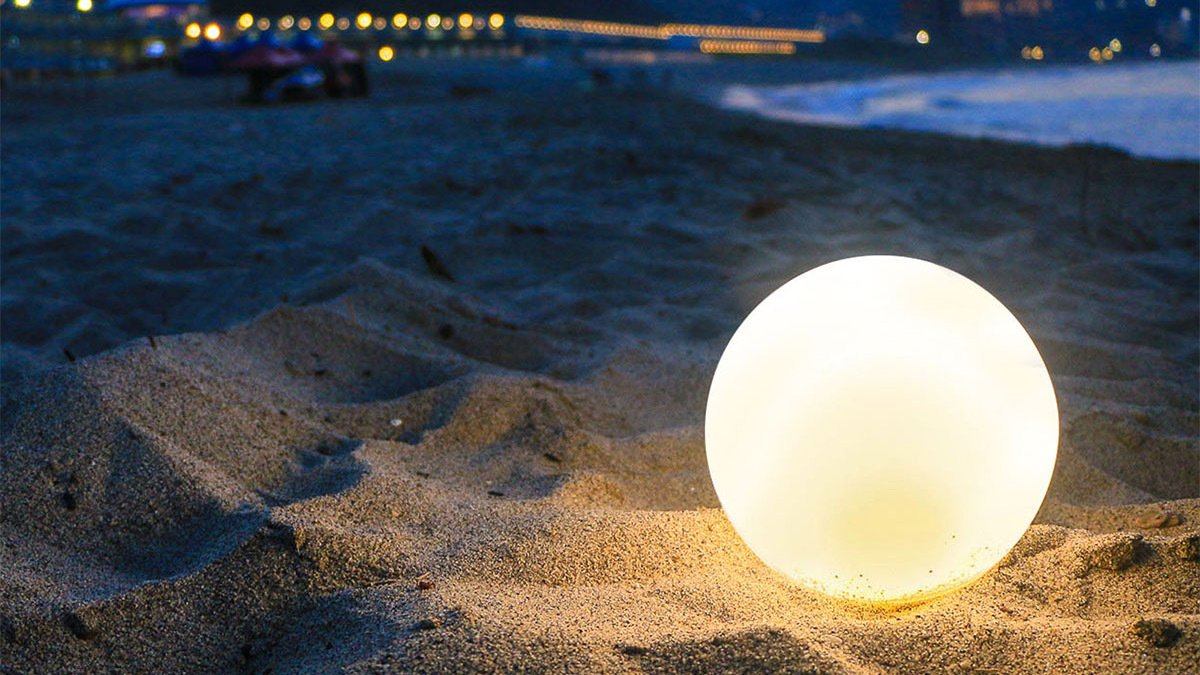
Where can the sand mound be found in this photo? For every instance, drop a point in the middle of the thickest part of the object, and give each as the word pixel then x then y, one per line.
pixel 496 462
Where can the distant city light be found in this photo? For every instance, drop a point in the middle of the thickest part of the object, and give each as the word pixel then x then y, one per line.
pixel 155 49
pixel 380 23
pixel 84 5
pixel 465 20
pixel 304 23
pixel 386 53
pixel 400 20
pixel 325 21
pixel 1094 54
pixel 1107 53
pixel 1155 50
pixel 1114 45
pixel 1151 3
pixel 245 21
pixel 1037 53
pixel 922 37
pixel 1185 15
pixel 433 21
pixel 363 21
pixel 212 31
pixel 21 3
pixel 414 23
pixel 746 47
pixel 263 23
pixel 496 21
pixel 343 23
pixel 286 22
pixel 1026 52
pixel 193 30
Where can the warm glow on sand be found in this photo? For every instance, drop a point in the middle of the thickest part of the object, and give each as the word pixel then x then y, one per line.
pixel 881 429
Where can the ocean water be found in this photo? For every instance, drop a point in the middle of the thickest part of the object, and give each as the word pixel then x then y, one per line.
pixel 1149 109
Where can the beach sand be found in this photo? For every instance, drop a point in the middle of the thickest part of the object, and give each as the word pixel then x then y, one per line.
pixel 417 383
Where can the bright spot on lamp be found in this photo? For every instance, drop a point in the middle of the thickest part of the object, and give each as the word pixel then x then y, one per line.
pixel 881 429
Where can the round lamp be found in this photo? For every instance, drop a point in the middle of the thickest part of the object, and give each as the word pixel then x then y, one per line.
pixel 881 429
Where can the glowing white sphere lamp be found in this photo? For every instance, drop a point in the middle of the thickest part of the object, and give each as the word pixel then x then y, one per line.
pixel 881 429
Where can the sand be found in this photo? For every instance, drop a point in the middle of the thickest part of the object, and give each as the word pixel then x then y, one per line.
pixel 417 383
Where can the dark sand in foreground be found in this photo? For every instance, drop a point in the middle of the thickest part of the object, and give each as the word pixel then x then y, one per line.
pixel 489 456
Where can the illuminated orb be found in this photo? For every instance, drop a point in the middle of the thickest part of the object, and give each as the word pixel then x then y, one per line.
pixel 881 429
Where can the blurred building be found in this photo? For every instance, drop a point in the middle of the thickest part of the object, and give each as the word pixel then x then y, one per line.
pixel 55 38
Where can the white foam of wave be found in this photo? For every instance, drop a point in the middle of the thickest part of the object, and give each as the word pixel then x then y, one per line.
pixel 1149 109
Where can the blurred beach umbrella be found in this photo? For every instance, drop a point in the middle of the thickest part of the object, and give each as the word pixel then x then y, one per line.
pixel 307 43
pixel 336 54
pixel 265 58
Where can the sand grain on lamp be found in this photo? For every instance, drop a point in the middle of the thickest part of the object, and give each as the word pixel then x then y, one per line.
pixel 881 429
